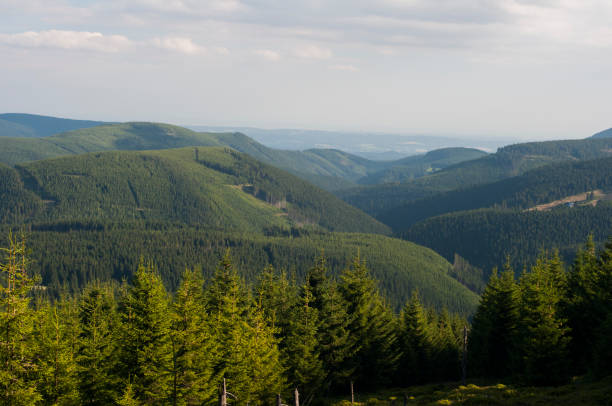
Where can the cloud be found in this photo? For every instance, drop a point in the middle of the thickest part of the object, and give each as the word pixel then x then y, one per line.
pixel 74 40
pixel 313 52
pixel 183 45
pixel 268 54
pixel 346 68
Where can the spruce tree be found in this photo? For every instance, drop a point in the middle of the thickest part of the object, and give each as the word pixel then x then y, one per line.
pixel 55 356
pixel 146 352
pixel 96 359
pixel 414 342
pixel 371 325
pixel 493 337
pixel 194 347
pixel 17 367
pixel 544 334
pixel 302 356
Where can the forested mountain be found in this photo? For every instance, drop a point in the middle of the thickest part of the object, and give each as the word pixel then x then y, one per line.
pixel 32 125
pixel 418 166
pixel 603 134
pixel 218 187
pixel 507 162
pixel 327 168
pixel 538 186
pixel 487 237
pixel 68 255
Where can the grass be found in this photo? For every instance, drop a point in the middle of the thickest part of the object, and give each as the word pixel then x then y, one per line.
pixel 578 393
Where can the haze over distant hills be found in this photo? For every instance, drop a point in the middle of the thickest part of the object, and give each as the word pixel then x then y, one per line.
pixel 33 125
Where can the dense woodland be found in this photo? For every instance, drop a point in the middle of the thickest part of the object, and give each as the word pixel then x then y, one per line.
pixel 486 237
pixel 134 343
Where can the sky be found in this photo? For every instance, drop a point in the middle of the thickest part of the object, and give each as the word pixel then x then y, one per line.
pixel 538 69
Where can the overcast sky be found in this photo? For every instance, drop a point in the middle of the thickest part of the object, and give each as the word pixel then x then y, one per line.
pixel 491 68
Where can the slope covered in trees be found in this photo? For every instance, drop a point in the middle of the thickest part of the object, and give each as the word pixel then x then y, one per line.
pixel 32 125
pixel 538 186
pixel 217 187
pixel 69 255
pixel 137 344
pixel 507 162
pixel 486 237
pixel 327 168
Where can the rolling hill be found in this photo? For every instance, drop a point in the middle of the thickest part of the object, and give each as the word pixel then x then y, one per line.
pixel 603 134
pixel 538 186
pixel 217 187
pixel 32 125
pixel 327 168
pixel 507 162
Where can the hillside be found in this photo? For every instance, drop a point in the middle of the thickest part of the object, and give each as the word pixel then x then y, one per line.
pixel 486 237
pixel 420 165
pixel 70 254
pixel 32 125
pixel 603 134
pixel 217 187
pixel 507 162
pixel 327 168
pixel 536 187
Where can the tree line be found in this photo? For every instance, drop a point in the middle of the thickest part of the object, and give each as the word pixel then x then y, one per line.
pixel 134 343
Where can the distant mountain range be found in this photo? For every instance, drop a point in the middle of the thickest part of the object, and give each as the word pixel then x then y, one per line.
pixel 32 125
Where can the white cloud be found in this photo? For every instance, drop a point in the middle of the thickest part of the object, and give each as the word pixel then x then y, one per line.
pixel 182 45
pixel 268 54
pixel 78 40
pixel 313 52
pixel 346 68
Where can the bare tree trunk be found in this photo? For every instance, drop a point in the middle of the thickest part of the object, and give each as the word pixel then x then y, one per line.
pixel 296 397
pixel 278 400
pixel 223 394
pixel 352 394
pixel 464 357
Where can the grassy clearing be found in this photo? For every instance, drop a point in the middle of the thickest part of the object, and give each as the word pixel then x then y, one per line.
pixel 575 394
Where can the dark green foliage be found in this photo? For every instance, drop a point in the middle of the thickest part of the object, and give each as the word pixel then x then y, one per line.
pixel 538 186
pixel 486 237
pixel 507 162
pixel 97 351
pixel 32 125
pixel 493 340
pixel 421 165
pixel 221 189
pixel 146 352
pixel 68 255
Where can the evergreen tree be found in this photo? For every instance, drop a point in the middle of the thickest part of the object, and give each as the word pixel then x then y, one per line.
pixel 18 369
pixel 146 352
pixel 194 348
pixel 371 326
pixel 302 357
pixel 493 338
pixel 544 335
pixel 55 356
pixel 414 365
pixel 96 359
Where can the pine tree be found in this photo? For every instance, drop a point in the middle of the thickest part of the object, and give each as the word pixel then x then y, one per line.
pixel 146 352
pixel 194 347
pixel 414 341
pixel 302 357
pixel 543 333
pixel 493 337
pixel 17 371
pixel 96 359
pixel 371 326
pixel 55 356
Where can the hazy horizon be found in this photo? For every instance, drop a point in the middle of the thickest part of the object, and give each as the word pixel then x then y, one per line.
pixel 507 69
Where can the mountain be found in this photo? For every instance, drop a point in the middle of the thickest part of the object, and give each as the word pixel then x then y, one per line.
pixel 539 186
pixel 487 237
pixel 32 125
pixel 328 168
pixel 603 134
pixel 217 187
pixel 507 162
pixel 69 254
pixel 420 165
